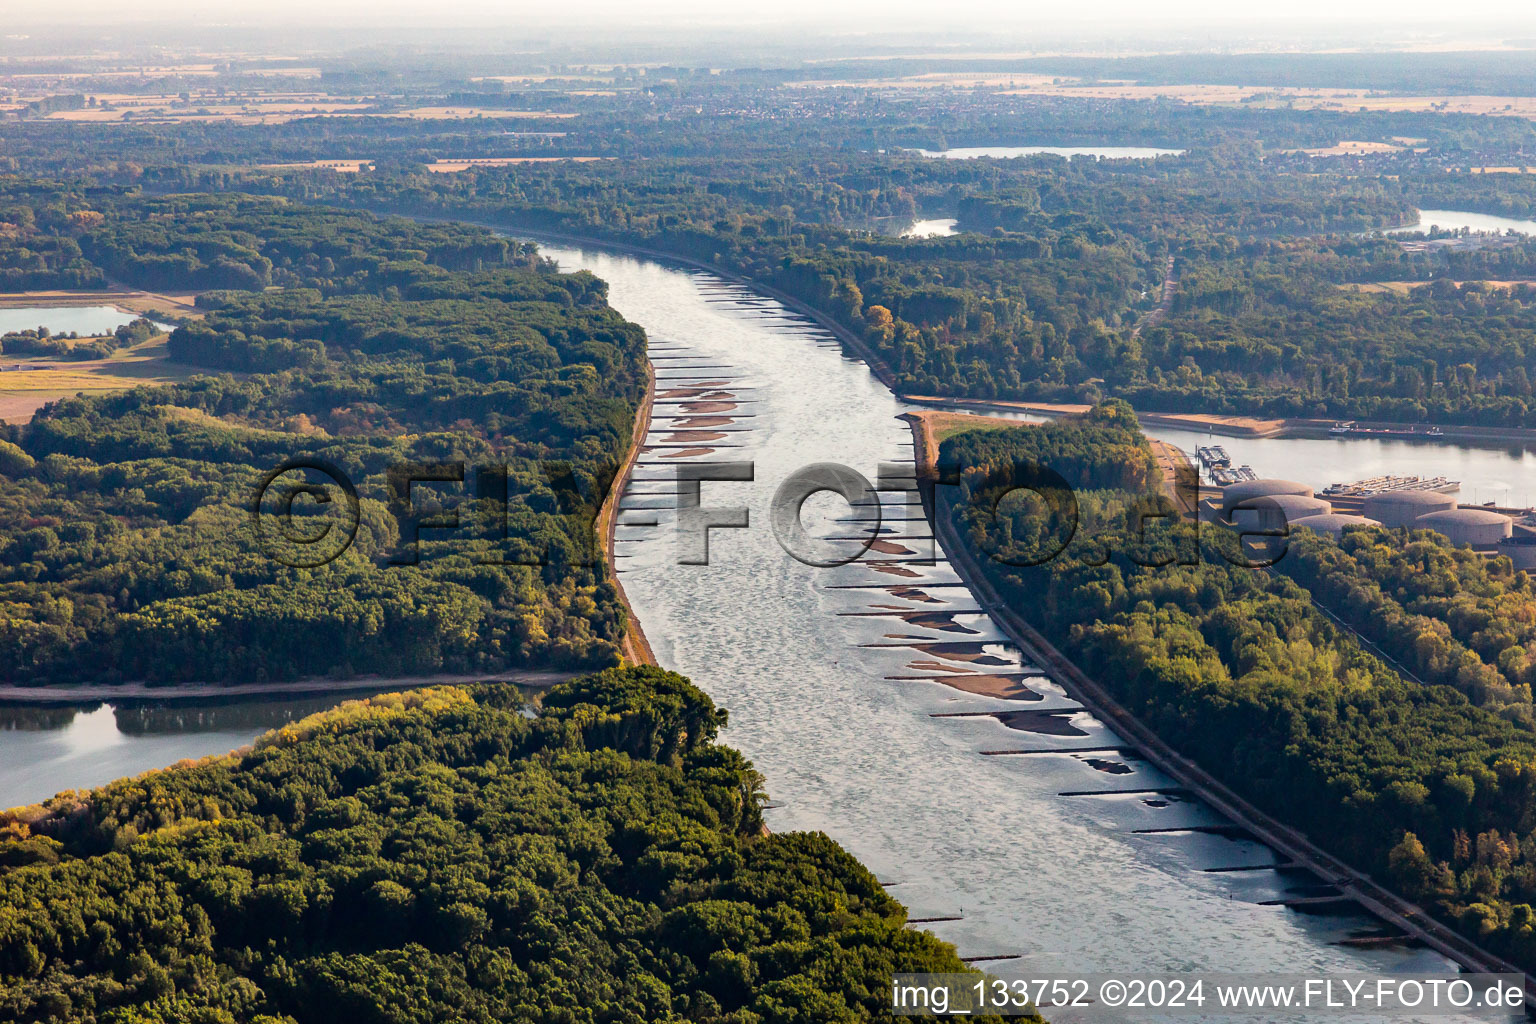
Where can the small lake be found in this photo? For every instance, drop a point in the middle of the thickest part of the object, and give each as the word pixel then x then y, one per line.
pixel 47 749
pixel 1097 152
pixel 930 228
pixel 64 319
pixel 1455 220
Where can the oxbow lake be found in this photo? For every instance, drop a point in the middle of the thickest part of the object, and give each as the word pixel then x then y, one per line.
pixel 47 749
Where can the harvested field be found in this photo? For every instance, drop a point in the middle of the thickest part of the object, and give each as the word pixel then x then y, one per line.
pixel 1350 148
pixel 1351 99
pixel 1404 287
pixel 461 113
pixel 29 383
pixel 454 166
pixel 180 304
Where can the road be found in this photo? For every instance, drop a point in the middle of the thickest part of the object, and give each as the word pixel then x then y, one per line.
pixel 1164 302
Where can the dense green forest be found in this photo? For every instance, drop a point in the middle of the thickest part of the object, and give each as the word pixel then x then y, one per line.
pixel 1450 615
pixel 40 341
pixel 447 855
pixel 128 550
pixel 1051 296
pixel 1277 307
pixel 372 341
pixel 38 244
pixel 441 855
pixel 1237 669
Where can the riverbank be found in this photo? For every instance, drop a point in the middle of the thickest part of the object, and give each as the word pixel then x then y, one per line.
pixel 931 427
pixel 820 710
pixel 1246 426
pixel 635 647
pixel 1290 844
pixel 877 365
pixel 87 692
pixel 1224 425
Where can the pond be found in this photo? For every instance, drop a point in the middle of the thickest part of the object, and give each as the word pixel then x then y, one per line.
pixel 85 320
pixel 1455 220
pixel 929 228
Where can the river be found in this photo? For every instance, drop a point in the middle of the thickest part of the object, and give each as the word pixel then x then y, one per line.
pixel 1504 474
pixel 832 678
pixel 829 676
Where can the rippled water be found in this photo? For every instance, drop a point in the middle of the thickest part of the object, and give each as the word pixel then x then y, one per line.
pixel 833 678
pixel 830 678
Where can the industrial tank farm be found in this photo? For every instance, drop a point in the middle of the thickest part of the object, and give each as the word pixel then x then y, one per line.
pixel 1237 494
pixel 1475 526
pixel 1268 509
pixel 1404 508
pixel 1332 524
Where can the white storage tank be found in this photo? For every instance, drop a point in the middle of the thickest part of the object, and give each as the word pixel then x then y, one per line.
pixel 1333 524
pixel 1403 508
pixel 1235 494
pixel 1475 526
pixel 1272 511
pixel 1521 550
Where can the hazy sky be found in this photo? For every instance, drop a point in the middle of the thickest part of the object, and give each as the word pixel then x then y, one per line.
pixel 1513 16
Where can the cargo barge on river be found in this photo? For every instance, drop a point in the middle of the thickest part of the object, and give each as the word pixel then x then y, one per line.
pixel 1389 484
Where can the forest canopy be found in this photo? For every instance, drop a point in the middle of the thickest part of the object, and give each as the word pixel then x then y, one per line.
pixel 364 344
pixel 1237 669
pixel 443 855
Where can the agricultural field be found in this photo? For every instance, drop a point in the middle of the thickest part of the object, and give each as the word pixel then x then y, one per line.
pixel 27 383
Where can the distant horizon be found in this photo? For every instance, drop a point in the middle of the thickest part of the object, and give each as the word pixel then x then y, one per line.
pixel 699 41
pixel 1005 26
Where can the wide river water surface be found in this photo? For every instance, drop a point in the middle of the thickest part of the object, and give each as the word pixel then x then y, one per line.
pixel 836 678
